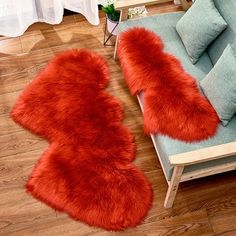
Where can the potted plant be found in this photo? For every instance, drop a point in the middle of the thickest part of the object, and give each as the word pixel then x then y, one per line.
pixel 112 16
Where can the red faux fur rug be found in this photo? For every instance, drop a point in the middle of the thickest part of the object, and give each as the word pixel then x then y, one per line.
pixel 87 170
pixel 173 104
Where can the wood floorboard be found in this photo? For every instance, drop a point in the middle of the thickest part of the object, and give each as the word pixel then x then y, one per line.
pixel 20 142
pixel 203 207
pixel 195 191
pixel 10 46
pixel 8 126
pixel 228 233
pixel 7 100
pixel 13 82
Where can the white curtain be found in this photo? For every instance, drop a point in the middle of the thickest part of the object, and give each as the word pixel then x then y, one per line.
pixel 17 15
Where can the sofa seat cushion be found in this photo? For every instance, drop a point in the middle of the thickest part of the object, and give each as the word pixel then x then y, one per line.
pixel 164 26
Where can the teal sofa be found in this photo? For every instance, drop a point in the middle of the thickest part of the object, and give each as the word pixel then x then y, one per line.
pixel 197 159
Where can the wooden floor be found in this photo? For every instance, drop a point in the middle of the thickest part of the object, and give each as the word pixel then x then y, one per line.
pixel 203 207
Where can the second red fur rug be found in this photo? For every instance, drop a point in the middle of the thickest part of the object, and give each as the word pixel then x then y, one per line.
pixel 173 105
pixel 87 170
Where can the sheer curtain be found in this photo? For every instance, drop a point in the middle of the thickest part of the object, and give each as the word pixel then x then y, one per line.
pixel 17 15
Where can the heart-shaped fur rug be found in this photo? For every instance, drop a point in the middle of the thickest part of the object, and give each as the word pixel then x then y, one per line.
pixel 173 104
pixel 86 170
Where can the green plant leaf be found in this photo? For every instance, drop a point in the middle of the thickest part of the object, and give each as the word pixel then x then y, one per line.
pixel 111 12
pixel 110 9
pixel 104 9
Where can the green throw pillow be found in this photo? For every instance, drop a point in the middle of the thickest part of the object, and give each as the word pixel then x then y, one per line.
pixel 219 85
pixel 199 26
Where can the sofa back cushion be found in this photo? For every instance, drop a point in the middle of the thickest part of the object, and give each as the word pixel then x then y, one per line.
pixel 227 10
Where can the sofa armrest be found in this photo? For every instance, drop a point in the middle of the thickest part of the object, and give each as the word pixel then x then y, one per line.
pixel 203 155
pixel 124 4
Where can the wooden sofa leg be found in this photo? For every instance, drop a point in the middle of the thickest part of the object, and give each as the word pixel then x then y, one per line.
pixel 123 16
pixel 173 187
pixel 115 51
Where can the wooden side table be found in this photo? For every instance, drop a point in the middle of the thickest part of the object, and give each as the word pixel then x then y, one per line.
pixel 186 4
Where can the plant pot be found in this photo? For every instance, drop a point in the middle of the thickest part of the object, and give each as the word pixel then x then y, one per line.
pixel 112 26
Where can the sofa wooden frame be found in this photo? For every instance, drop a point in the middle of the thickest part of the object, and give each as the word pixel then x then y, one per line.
pixel 181 160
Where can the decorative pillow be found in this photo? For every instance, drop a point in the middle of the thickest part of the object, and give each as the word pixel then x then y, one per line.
pixel 219 85
pixel 199 26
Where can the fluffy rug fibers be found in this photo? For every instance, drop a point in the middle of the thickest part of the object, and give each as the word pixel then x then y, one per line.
pixel 87 170
pixel 173 104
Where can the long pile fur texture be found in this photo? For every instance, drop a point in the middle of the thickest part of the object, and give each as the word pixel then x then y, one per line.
pixel 86 171
pixel 173 104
